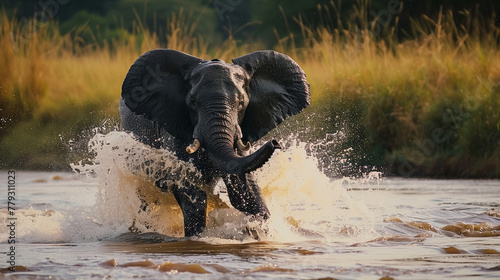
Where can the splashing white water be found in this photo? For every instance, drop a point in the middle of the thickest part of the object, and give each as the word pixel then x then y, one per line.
pixel 126 171
pixel 304 203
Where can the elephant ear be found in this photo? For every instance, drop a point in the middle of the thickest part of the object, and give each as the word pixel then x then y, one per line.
pixel 156 87
pixel 278 89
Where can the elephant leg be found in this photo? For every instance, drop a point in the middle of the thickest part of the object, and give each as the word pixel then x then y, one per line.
pixel 193 203
pixel 245 195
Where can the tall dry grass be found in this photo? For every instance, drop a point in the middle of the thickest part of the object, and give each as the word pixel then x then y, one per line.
pixel 428 104
pixel 56 86
pixel 423 105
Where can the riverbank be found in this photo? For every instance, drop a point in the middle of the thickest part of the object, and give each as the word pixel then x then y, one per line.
pixel 427 105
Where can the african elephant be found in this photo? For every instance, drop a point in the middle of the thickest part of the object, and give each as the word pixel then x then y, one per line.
pixel 212 111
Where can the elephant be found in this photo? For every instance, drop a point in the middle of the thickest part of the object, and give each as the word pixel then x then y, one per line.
pixel 210 112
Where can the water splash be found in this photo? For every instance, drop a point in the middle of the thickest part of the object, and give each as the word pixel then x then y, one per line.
pixel 304 202
pixel 127 170
pixel 121 172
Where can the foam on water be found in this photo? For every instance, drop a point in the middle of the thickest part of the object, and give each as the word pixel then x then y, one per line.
pixel 305 204
pixel 37 225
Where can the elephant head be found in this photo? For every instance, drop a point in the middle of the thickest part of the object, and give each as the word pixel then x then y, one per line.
pixel 221 107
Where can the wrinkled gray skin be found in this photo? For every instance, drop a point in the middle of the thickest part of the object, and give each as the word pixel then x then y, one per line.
pixel 170 98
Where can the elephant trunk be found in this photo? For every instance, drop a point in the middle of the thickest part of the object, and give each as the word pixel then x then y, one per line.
pixel 219 141
pixel 230 162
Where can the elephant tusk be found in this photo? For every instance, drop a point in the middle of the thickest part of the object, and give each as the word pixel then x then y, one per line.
pixel 193 147
pixel 241 147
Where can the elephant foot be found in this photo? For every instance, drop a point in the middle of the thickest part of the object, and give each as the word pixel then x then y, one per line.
pixel 193 203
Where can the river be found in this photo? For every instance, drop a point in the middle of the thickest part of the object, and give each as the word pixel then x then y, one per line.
pixel 90 226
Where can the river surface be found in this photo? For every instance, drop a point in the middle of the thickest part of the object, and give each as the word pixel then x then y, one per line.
pixel 92 225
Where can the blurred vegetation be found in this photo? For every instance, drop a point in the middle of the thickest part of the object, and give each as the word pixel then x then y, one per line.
pixel 415 89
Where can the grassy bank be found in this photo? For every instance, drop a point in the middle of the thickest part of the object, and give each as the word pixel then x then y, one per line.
pixel 428 105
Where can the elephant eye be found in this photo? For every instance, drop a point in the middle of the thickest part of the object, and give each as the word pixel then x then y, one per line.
pixel 192 102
